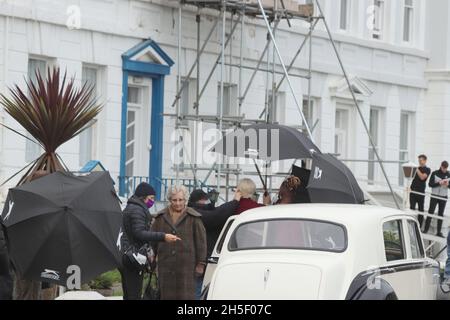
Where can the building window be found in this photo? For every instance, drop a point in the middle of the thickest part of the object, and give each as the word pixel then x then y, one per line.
pixel 378 19
pixel 344 14
pixel 408 20
pixel 405 142
pixel 230 100
pixel 393 240
pixel 35 66
pixel 375 134
pixel 341 147
pixel 277 108
pixel 308 112
pixel 135 100
pixel 188 98
pixel 89 76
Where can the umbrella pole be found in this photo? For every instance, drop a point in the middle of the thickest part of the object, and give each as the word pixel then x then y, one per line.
pixel 260 176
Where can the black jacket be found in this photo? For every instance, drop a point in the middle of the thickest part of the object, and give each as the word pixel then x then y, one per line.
pixel 136 223
pixel 6 282
pixel 214 220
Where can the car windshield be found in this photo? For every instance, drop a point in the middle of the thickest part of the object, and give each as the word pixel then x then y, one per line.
pixel 289 234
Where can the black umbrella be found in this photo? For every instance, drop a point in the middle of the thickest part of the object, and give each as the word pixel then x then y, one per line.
pixel 331 181
pixel 269 142
pixel 62 222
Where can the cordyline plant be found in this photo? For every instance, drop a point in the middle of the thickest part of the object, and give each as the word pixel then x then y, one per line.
pixel 53 111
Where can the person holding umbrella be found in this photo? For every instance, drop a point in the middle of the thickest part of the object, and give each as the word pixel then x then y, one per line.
pixel 182 262
pixel 136 233
pixel 288 190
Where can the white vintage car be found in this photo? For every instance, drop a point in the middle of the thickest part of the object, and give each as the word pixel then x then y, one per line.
pixel 297 252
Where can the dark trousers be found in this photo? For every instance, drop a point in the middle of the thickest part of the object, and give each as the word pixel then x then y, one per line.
pixel 132 281
pixel 433 204
pixel 419 200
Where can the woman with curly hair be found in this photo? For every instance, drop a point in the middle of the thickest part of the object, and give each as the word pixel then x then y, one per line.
pixel 289 190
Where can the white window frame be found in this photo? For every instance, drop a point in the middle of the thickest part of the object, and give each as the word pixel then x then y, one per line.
pixel 349 132
pixel 379 141
pixel 190 93
pixel 230 99
pixel 379 19
pixel 93 130
pixel 409 151
pixel 33 150
pixel 408 9
pixel 347 15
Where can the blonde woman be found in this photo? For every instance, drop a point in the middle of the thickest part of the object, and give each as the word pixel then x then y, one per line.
pixel 247 188
pixel 180 263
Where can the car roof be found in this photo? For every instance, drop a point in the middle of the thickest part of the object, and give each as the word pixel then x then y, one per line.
pixel 338 213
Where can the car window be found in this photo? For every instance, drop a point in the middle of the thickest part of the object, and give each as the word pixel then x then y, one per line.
pixel 393 240
pixel 222 238
pixel 289 234
pixel 417 250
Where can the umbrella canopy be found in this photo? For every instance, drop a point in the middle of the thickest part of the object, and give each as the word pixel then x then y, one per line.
pixel 269 142
pixel 62 220
pixel 331 181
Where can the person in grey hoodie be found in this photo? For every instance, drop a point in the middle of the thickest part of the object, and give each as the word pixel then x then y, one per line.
pixel 439 184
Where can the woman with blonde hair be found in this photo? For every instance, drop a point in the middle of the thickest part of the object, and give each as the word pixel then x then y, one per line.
pixel 180 263
pixel 247 188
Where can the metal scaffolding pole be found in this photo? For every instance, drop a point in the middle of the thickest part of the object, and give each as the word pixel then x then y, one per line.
pixel 222 71
pixel 284 69
pixel 218 60
pixel 186 81
pixel 357 104
pixel 242 97
pixel 177 121
pixel 197 96
pixel 291 65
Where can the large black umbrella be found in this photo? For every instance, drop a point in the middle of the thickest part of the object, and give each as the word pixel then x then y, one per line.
pixel 61 222
pixel 269 142
pixel 331 181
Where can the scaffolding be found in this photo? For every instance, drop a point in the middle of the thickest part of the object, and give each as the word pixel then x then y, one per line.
pixel 270 15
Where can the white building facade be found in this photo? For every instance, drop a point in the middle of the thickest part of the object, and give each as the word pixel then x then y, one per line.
pixel 400 78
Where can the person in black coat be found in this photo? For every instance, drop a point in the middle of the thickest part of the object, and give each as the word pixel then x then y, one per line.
pixel 136 225
pixel 213 219
pixel 6 281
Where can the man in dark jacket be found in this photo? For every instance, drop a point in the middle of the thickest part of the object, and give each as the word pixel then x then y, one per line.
pixel 439 184
pixel 6 282
pixel 136 233
pixel 419 185
pixel 213 219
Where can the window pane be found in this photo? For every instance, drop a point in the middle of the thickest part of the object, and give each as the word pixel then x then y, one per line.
pixel 39 66
pixel 289 234
pixel 131 117
pixel 33 150
pixel 134 95
pixel 85 146
pixel 417 250
pixel 344 14
pixel 88 77
pixel 393 240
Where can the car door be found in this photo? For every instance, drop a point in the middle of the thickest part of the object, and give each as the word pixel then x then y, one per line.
pixel 214 259
pixel 397 270
pixel 429 273
pixel 405 269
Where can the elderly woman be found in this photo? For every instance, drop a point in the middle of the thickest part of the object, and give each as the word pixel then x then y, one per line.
pixel 180 263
